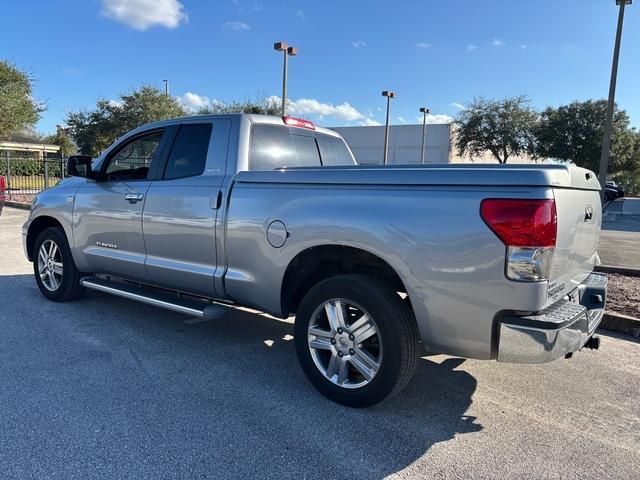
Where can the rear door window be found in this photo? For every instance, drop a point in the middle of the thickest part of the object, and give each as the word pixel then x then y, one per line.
pixel 189 152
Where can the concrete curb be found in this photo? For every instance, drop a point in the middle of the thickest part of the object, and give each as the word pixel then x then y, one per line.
pixel 632 272
pixel 617 322
pixel 21 206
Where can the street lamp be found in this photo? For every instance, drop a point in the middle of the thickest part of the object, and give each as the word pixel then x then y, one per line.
pixel 288 52
pixel 166 87
pixel 425 111
pixel 389 95
pixel 606 140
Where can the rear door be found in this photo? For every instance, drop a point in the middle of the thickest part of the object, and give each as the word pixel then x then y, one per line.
pixel 179 219
pixel 107 213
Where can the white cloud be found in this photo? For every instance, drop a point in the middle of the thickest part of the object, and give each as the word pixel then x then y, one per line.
pixel 193 101
pixel 115 103
pixel 523 46
pixel 370 122
pixel 402 120
pixel 315 108
pixel 310 106
pixel 358 44
pixel 497 42
pixel 458 105
pixel 437 119
pixel 423 45
pixel 300 14
pixel 236 26
pixel 249 8
pixel 471 47
pixel 144 14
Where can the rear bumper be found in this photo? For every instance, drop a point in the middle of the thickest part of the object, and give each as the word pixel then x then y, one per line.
pixel 556 331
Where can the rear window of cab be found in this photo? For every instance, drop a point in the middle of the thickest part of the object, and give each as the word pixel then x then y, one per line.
pixel 274 146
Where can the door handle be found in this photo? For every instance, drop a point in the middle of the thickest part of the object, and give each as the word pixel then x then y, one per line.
pixel 133 197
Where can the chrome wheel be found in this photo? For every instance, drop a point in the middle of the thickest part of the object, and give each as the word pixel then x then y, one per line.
pixel 345 343
pixel 50 265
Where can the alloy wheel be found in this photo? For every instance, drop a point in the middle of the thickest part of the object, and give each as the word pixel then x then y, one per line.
pixel 50 265
pixel 345 344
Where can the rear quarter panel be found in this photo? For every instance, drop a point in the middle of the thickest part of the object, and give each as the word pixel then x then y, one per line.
pixel 451 264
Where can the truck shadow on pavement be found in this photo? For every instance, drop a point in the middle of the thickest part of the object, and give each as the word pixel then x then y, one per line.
pixel 223 398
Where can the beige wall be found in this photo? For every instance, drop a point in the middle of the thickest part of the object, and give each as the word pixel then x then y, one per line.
pixel 405 144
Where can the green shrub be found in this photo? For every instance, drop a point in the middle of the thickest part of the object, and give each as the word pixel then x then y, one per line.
pixel 29 167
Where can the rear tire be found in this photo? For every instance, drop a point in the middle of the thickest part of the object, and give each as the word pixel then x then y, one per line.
pixel 56 274
pixel 364 354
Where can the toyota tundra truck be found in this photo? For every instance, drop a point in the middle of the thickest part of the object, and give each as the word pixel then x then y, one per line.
pixel 377 263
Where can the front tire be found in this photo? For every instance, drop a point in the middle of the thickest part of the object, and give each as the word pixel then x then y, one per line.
pixel 56 274
pixel 356 339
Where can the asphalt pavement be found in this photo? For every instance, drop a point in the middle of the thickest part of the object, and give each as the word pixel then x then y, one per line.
pixel 620 236
pixel 107 388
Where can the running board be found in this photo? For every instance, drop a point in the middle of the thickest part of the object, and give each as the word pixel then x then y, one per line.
pixel 156 298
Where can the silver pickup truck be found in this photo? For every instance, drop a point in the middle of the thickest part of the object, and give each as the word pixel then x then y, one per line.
pixel 376 263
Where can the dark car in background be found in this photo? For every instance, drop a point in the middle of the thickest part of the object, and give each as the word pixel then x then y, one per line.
pixel 612 191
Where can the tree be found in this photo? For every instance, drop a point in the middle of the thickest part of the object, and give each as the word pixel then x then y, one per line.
pixel 94 130
pixel 503 127
pixel 63 140
pixel 574 132
pixel 261 105
pixel 629 174
pixel 18 109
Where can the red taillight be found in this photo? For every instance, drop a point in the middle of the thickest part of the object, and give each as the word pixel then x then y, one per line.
pixel 521 222
pixel 298 122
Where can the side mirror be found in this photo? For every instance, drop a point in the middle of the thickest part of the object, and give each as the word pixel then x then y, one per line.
pixel 80 166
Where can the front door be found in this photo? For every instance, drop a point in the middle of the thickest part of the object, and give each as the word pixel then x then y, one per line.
pixel 107 214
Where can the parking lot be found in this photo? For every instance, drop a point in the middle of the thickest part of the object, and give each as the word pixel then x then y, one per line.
pixel 620 236
pixel 106 387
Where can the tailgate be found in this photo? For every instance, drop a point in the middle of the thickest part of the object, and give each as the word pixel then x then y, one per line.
pixel 579 213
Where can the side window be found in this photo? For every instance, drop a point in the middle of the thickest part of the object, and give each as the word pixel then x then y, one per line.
pixel 189 152
pixel 334 151
pixel 132 161
pixel 306 150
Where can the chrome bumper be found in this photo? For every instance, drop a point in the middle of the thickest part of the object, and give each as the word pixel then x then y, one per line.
pixel 556 331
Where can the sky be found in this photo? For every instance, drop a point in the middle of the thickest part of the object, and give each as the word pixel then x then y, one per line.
pixel 439 54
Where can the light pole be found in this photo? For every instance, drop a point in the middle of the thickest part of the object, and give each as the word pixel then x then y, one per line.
pixel 288 52
pixel 166 87
pixel 425 111
pixel 389 95
pixel 606 140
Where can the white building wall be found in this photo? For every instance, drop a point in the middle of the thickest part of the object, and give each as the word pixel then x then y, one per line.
pixel 405 141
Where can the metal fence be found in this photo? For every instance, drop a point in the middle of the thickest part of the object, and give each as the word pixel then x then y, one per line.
pixel 26 175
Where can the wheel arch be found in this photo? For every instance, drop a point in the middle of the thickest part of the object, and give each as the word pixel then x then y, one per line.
pixel 320 262
pixel 37 226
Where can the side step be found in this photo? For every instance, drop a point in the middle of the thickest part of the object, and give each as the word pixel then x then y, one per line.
pixel 154 297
